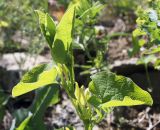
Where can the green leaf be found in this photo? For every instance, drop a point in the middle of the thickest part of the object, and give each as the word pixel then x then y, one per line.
pixel 79 94
pixel 3 101
pixel 147 59
pixel 138 32
pixel 63 37
pixel 59 53
pixel 47 26
pixel 39 76
pixel 93 10
pixel 98 115
pixel 115 90
pixel 20 115
pixel 45 97
pixel 3 98
pixel 81 6
pixel 127 101
pixel 3 24
pixel 78 46
pixel 85 8
pixel 157 64
pixel 95 101
pixel 153 50
pixel 23 125
pixel 137 44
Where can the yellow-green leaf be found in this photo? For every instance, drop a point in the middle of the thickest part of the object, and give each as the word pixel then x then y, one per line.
pixel 127 101
pixel 3 24
pixel 79 94
pixel 63 36
pixel 39 76
pixel 138 32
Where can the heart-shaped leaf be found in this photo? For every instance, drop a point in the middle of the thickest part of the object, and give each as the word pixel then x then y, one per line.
pixel 111 90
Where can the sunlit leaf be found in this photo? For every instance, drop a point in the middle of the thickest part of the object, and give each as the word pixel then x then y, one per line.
pixel 127 101
pixel 39 76
pixel 112 90
pixel 47 26
pixel 138 32
pixel 79 94
pixel 3 24
pixel 81 6
pixel 63 36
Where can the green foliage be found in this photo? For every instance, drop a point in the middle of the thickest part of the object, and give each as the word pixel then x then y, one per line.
pixel 3 101
pixel 32 118
pixel 20 115
pixel 148 24
pixel 61 40
pixel 39 76
pixel 63 37
pixel 122 8
pixel 153 50
pixel 147 59
pixel 89 39
pixel 24 124
pixel 106 89
pixel 20 30
pixel 45 97
pixel 112 90
pixel 147 35
pixel 47 26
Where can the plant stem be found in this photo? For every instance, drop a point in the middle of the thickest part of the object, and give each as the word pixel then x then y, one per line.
pixel 87 125
pixel 148 79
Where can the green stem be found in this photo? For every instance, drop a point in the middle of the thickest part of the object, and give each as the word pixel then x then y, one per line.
pixel 66 85
pixel 87 125
pixel 148 79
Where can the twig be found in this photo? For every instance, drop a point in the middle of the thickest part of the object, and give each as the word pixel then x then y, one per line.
pixel 153 126
pixel 149 119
